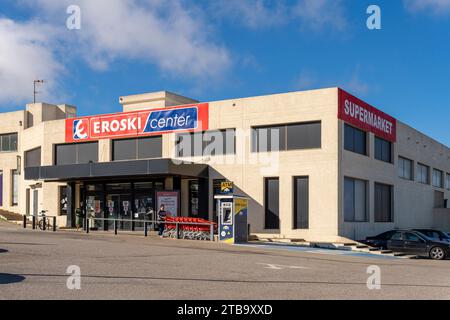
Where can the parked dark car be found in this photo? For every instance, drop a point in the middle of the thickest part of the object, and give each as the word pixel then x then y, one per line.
pixel 416 243
pixel 380 241
pixel 434 234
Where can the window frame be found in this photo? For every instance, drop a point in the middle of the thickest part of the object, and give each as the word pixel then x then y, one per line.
pixel 419 172
pixel 266 206
pixel 366 200
pixel 9 135
pixel 402 160
pixel 55 153
pixel 441 174
pixel 354 130
pixel 391 204
pixel 383 142
pixel 296 225
pixel 284 143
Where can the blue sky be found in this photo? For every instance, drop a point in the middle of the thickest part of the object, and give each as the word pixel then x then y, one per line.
pixel 212 50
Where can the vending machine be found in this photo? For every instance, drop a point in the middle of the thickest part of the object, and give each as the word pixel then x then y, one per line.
pixel 232 213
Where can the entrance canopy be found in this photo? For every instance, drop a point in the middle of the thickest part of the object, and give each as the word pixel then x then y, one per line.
pixel 115 169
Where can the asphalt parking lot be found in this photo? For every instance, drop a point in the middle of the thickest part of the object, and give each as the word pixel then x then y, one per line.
pixel 33 265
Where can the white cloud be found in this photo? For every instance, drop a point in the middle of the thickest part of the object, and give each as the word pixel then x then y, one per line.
pixel 25 55
pixel 167 34
pixel 319 14
pixel 437 7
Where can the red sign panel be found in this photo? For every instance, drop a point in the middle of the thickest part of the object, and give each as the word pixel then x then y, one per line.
pixel 138 123
pixel 362 115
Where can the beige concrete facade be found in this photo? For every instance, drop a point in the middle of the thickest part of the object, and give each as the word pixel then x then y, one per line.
pixel 43 125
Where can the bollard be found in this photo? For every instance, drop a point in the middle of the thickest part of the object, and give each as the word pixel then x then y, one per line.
pixel 24 222
pixel 54 224
pixel 177 231
pixel 115 227
pixel 86 225
pixel 33 222
pixel 211 230
pixel 145 229
pixel 44 223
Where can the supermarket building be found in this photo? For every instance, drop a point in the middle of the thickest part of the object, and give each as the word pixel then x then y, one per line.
pixel 319 165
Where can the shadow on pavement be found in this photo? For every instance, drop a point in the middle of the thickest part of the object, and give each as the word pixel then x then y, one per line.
pixel 7 278
pixel 3 250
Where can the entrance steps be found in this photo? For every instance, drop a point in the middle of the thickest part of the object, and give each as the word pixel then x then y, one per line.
pixel 346 246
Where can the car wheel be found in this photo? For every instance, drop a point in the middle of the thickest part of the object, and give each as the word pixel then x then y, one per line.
pixel 437 253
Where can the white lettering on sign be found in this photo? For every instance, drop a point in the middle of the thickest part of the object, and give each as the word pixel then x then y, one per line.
pixel 362 114
pixel 106 126
pixel 176 121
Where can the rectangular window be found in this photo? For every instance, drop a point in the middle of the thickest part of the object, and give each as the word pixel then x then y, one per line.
pixel 447 181
pixel 355 140
pixel 15 187
pixel 1 188
pixel 76 153
pixel 137 148
pixel 355 200
pixel 272 203
pixel 383 150
pixel 438 199
pixel 207 143
pixel 423 173
pixel 438 178
pixel 33 158
pixel 63 200
pixel 301 202
pixel 405 168
pixel 383 202
pixel 296 136
pixel 8 142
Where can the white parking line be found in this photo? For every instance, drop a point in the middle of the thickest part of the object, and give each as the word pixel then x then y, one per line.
pixel 280 266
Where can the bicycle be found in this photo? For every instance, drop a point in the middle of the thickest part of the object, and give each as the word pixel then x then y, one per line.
pixel 40 223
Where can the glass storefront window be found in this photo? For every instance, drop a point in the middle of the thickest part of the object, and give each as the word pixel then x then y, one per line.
pixel 94 187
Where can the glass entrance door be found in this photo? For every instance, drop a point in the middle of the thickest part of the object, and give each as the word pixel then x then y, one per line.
pixel 145 208
pixel 119 207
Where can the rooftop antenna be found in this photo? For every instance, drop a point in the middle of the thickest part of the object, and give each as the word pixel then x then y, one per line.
pixel 35 82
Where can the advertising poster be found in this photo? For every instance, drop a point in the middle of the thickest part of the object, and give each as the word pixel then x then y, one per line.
pixel 170 201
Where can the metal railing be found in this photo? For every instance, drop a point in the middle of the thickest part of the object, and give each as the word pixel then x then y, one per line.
pixel 35 223
pixel 177 231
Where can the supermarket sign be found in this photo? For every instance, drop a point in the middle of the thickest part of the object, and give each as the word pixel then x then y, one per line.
pixel 363 116
pixel 138 123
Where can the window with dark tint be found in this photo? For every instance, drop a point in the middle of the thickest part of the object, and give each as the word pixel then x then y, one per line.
pixel 355 140
pixel 272 203
pixel 423 173
pixel 397 236
pixel 33 158
pixel 304 136
pixel 383 150
pixel 355 200
pixel 447 181
pixel 383 202
pixel 208 143
pixel 8 142
pixel 405 168
pixel 438 199
pixel 137 148
pixel 438 178
pixel 76 153
pixel 296 136
pixel 301 202
pixel 265 139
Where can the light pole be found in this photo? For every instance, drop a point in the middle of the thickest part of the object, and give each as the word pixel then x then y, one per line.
pixel 34 88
